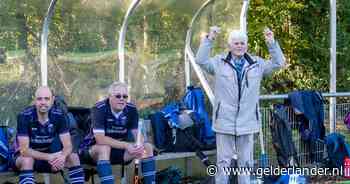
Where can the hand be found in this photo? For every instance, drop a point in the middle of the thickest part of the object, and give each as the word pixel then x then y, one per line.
pixel 269 38
pixel 213 32
pixel 57 162
pixel 52 156
pixel 135 151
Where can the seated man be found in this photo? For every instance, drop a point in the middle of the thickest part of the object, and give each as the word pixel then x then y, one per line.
pixel 44 141
pixel 112 120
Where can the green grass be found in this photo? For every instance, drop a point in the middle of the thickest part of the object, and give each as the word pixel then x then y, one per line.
pixel 78 57
pixel 344 182
pixel 81 57
pixel 92 57
pixel 15 53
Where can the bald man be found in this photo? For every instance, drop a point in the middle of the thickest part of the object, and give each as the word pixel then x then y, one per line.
pixel 44 142
pixel 238 77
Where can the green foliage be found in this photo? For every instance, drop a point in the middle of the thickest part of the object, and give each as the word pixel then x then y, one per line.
pixel 83 45
pixel 302 29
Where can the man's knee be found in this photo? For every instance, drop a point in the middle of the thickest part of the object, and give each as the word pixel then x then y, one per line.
pixel 148 149
pixel 72 160
pixel 101 152
pixel 24 163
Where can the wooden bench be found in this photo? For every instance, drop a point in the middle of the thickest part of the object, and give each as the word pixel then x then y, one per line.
pixel 163 157
pixel 188 156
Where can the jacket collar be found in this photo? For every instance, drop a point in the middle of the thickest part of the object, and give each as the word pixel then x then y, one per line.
pixel 246 56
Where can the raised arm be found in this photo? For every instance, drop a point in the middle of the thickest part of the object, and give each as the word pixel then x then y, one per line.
pixel 203 58
pixel 277 60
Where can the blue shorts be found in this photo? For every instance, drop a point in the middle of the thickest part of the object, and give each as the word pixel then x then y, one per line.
pixel 116 157
pixel 41 166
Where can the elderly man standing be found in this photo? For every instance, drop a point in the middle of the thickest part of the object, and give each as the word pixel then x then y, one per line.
pixel 44 141
pixel 238 78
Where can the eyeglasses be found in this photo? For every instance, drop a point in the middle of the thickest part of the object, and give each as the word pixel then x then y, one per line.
pixel 121 96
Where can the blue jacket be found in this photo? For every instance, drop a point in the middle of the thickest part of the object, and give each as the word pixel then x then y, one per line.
pixel 171 112
pixel 310 103
pixel 194 100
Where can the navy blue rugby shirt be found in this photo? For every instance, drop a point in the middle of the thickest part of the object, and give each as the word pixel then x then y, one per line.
pixel 41 135
pixel 114 125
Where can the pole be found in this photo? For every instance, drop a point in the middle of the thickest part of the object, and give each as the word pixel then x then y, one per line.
pixel 43 45
pixel 333 64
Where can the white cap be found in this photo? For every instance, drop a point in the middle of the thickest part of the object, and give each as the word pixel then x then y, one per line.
pixel 237 35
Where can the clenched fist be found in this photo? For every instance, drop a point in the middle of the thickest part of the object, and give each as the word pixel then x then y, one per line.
pixel 213 32
pixel 269 38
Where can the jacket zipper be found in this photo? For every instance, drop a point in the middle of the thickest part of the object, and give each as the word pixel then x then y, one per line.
pixel 217 111
pixel 257 112
pixel 239 99
pixel 240 90
pixel 246 72
pixel 240 87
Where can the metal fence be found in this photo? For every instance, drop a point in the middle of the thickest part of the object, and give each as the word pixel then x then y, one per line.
pixel 305 157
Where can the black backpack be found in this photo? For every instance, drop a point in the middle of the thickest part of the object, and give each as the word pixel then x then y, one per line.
pixel 168 139
pixel 79 120
pixel 170 175
pixel 337 150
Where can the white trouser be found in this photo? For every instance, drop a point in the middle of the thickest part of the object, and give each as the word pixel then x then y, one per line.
pixel 226 147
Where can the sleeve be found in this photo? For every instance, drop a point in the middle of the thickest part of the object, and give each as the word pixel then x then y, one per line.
pixel 22 125
pixel 62 125
pixel 97 118
pixel 203 58
pixel 277 59
pixel 133 119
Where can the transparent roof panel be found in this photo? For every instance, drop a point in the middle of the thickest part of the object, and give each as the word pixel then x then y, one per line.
pixel 83 47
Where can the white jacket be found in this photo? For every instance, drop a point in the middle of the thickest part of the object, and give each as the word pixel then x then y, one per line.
pixel 237 112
